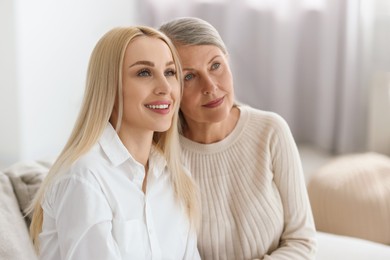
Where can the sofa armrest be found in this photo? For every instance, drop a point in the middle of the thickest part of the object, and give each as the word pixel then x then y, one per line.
pixel 15 242
pixel 26 177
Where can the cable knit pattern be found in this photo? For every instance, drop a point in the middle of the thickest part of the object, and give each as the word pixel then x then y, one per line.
pixel 253 194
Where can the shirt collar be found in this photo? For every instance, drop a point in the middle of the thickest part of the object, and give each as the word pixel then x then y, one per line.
pixel 117 153
pixel 113 146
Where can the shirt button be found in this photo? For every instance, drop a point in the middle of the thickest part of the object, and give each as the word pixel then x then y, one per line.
pixel 150 231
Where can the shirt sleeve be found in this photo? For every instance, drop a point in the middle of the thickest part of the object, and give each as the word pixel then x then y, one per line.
pixel 298 240
pixel 83 220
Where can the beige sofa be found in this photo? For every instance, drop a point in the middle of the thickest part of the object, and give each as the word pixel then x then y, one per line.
pixel 19 183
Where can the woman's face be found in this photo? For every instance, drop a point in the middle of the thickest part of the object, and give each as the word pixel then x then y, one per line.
pixel 208 94
pixel 150 88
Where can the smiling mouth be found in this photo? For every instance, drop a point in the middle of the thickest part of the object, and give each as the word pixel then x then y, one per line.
pixel 165 106
pixel 214 103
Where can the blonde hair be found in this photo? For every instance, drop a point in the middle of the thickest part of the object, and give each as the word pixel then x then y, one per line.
pixel 103 89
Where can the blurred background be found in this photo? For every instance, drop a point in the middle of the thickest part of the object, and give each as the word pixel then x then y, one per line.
pixel 324 65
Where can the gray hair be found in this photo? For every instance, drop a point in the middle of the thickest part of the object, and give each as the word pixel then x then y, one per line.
pixel 193 31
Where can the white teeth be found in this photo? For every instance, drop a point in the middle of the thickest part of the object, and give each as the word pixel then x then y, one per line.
pixel 157 106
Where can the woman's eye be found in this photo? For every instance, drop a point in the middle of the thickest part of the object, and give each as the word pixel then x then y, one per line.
pixel 144 73
pixel 170 73
pixel 215 66
pixel 188 77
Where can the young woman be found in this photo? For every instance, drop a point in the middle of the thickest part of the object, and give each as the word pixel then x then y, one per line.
pixel 118 190
pixel 253 196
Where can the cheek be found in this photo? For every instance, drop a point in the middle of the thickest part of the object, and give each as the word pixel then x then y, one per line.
pixel 229 80
pixel 189 97
pixel 186 101
pixel 175 91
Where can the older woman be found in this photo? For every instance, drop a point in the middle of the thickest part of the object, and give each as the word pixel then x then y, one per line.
pixel 245 161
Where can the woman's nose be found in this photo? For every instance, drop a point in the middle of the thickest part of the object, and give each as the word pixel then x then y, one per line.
pixel 208 85
pixel 163 87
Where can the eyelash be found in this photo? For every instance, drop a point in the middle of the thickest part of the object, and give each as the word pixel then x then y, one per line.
pixel 186 77
pixel 142 72
pixel 147 73
pixel 172 72
pixel 191 75
pixel 215 66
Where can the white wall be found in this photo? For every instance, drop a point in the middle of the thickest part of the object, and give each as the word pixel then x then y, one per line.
pixel 9 103
pixel 46 47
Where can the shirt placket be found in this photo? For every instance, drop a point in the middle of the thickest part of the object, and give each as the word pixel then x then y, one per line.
pixel 153 238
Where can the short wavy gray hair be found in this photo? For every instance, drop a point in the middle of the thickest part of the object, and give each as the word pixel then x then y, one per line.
pixel 192 31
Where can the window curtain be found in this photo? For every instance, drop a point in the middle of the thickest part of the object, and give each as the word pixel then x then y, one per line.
pixel 306 60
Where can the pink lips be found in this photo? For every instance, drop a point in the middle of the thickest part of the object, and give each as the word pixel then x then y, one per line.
pixel 214 103
pixel 160 107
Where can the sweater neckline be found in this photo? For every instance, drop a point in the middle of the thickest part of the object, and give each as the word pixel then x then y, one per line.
pixel 192 146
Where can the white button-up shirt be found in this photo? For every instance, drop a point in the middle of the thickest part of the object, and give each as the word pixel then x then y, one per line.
pixel 97 209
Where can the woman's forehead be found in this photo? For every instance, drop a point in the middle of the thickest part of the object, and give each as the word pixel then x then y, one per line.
pixel 190 54
pixel 148 48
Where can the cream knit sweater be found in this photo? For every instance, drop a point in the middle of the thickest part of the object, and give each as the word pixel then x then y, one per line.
pixel 253 195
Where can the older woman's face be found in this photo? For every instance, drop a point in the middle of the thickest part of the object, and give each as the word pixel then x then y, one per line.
pixel 208 94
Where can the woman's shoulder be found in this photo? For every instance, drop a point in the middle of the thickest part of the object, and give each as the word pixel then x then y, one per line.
pixel 77 179
pixel 84 170
pixel 262 117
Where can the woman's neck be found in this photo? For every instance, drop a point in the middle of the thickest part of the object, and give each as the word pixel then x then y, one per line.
pixel 138 145
pixel 207 133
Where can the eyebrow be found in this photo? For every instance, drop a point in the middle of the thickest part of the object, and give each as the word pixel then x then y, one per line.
pixel 211 60
pixel 148 63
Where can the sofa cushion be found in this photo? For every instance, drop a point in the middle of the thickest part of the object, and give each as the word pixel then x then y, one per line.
pixel 350 196
pixel 26 177
pixel 332 246
pixel 15 242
